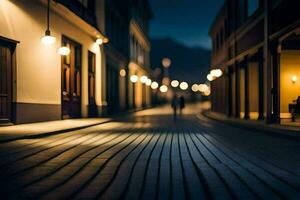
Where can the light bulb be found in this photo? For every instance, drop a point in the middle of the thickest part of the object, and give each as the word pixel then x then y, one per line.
pixel 99 41
pixel 48 39
pixel 64 51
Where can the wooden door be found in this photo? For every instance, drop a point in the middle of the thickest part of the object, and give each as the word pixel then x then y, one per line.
pixel 5 82
pixel 92 90
pixel 71 80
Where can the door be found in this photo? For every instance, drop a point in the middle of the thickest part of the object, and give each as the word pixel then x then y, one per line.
pixel 6 51
pixel 71 80
pixel 92 78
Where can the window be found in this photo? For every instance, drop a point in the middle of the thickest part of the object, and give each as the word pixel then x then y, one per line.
pixel 253 5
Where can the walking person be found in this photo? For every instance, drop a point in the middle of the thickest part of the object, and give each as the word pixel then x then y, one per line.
pixel 174 105
pixel 181 104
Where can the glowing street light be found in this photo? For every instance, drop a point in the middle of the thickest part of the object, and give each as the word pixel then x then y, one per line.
pixel 64 51
pixel 203 87
pixel 163 88
pixel 207 92
pixel 216 73
pixel 144 79
pixel 184 85
pixel 175 83
pixel 166 62
pixel 148 82
pixel 195 88
pixel 154 85
pixel 210 77
pixel 134 78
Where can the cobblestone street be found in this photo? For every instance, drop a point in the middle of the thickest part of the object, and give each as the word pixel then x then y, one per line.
pixel 150 156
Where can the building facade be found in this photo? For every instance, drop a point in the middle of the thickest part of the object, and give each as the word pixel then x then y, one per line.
pixel 47 82
pixel 139 94
pixel 256 44
pixel 117 54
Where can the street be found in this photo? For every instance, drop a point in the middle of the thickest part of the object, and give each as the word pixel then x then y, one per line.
pixel 150 156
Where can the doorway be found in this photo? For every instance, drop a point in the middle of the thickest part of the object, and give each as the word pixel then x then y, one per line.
pixel 6 56
pixel 71 80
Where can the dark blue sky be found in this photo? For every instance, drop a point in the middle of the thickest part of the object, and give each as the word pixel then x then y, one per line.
pixel 187 21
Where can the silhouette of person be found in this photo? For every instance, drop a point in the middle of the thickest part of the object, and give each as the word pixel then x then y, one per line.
pixel 181 104
pixel 174 106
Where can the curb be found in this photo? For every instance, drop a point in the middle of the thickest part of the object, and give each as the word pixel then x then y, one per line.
pixel 41 135
pixel 265 129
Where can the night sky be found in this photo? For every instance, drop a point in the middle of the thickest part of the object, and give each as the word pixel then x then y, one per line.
pixel 187 21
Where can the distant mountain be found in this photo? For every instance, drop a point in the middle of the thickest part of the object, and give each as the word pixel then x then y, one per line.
pixel 189 64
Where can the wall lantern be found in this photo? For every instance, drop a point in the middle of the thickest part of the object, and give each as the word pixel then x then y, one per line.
pixel 294 79
pixel 105 40
pixel 134 78
pixel 144 79
pixel 122 72
pixel 163 88
pixel 48 39
pixel 175 83
pixel 64 51
pixel 99 41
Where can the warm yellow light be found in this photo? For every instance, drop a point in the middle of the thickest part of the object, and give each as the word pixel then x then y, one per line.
pixel 154 85
pixel 184 86
pixel 203 87
pixel 195 88
pixel 294 78
pixel 48 40
pixel 122 72
pixel 105 40
pixel 210 77
pixel 134 78
pixel 144 79
pixel 148 82
pixel 175 83
pixel 163 88
pixel 64 51
pixel 216 73
pixel 207 92
pixel 166 62
pixel 99 41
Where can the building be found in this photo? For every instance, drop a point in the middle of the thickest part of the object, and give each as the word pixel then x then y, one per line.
pixel 49 82
pixel 117 54
pixel 139 94
pixel 256 45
